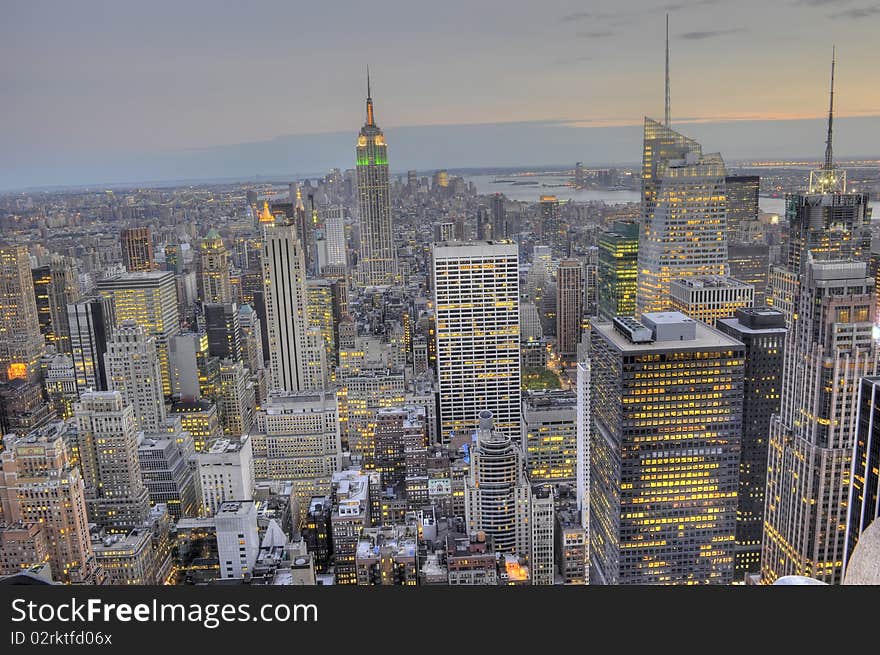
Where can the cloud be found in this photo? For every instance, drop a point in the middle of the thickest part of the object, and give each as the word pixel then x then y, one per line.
pixel 596 34
pixel 708 34
pixel 857 13
pixel 819 3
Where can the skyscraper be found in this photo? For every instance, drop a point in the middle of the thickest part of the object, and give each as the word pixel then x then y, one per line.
pixel 55 286
pixel 828 348
pixel 618 270
pixel 864 493
pixel 710 297
pixel 106 438
pixel 550 436
pixel 664 466
pixel 286 309
pixel 497 493
pixel 476 292
pixel 550 228
pixel 762 331
pixel 684 214
pixel 137 249
pixel 149 299
pixel 742 203
pixel 214 260
pixel 132 365
pixel 569 306
pixel 334 235
pixel 21 344
pixel 377 259
pixel 224 330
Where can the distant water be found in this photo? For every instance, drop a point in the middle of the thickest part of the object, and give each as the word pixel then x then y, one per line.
pixel 546 186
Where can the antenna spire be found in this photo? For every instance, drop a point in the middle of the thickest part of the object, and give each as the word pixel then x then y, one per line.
pixel 667 120
pixel 829 152
pixel 370 120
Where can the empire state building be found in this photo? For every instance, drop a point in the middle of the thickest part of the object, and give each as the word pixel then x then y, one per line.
pixel 376 264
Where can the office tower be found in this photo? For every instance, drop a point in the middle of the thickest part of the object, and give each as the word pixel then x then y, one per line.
pixel 377 260
pixel 236 398
pixel 541 540
pixel 137 249
pixel 496 492
pixel 590 263
pixel 59 384
pixel 334 235
pixel 132 365
pixel 684 210
pixel 22 547
pixel 359 395
pixel 199 419
pixel 174 258
pixel 864 492
pixel 549 424
pixel 476 293
pixel 618 270
pixel 238 541
pixel 55 286
pixel 224 330
pixel 91 324
pixel 664 467
pixel 828 348
pixel 571 548
pixel 167 474
pixel 150 299
pixel 251 338
pixel 106 437
pixel 750 263
pixel 291 356
pixel 131 559
pixel 400 448
pixel 710 297
pixel 742 203
pixel 321 315
pixel 21 344
pixel 499 216
pixel 296 439
pixel 351 514
pixel 569 306
pixel 550 229
pixel 226 473
pixel 584 432
pixel 38 486
pixel 762 331
pixel 214 260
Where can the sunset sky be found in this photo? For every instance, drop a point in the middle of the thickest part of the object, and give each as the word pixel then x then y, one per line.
pixel 89 85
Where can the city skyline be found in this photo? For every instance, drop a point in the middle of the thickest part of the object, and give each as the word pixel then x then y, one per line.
pixel 163 111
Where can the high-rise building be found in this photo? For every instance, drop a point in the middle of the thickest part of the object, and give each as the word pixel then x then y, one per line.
pixel 214 260
pixel 91 324
pixel 137 249
pixel 750 263
pixel 664 466
pixel 297 439
pixel 499 216
pixel 864 493
pixel 106 437
pixel 321 315
pixel 199 419
pixel 21 343
pixel 476 292
pixel 828 348
pixel 351 514
pixel 550 228
pixel 55 285
pixel 584 432
pixel 742 203
pixel 39 486
pixel 541 540
pixel 497 493
pixel 226 473
pixel 150 299
pixel 132 365
pixel 236 400
pixel 684 212
pixel 388 555
pixel 334 235
pixel 251 338
pixel 224 330
pixel 167 474
pixel 377 259
pixel 291 356
pixel 238 540
pixel 710 297
pixel 618 270
pixel 569 306
pixel 549 424
pixel 762 331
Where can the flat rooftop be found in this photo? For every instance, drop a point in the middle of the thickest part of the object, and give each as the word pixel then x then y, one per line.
pixel 705 337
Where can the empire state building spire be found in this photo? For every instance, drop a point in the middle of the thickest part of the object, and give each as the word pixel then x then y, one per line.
pixel 370 119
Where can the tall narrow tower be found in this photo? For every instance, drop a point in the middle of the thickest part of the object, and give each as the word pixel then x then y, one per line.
pixel 377 266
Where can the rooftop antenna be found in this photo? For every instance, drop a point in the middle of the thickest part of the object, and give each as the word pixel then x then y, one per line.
pixel 829 153
pixel 667 71
pixel 370 120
